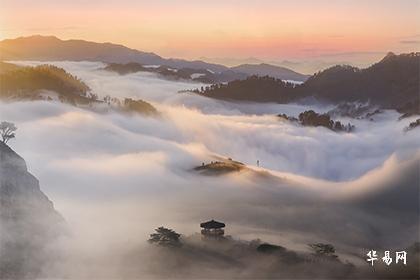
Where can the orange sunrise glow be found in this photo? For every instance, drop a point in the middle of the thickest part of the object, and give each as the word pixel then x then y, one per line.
pixel 272 30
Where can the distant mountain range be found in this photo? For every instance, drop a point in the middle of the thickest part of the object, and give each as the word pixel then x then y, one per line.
pixel 393 82
pixel 304 66
pixel 50 48
pixel 198 75
pixel 264 69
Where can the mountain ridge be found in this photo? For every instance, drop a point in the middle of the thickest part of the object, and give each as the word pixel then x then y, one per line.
pixel 49 48
pixel 265 69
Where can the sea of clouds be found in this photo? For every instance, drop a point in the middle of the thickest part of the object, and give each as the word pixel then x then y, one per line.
pixel 115 177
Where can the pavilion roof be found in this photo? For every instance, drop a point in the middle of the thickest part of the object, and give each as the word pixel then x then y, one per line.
pixel 212 224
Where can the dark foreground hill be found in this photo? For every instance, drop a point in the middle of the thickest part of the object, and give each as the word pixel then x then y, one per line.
pixel 393 82
pixel 28 220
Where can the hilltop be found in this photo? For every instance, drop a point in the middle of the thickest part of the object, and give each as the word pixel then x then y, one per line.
pixel 220 167
pixel 254 88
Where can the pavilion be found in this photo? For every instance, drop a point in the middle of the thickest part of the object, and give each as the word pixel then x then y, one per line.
pixel 212 229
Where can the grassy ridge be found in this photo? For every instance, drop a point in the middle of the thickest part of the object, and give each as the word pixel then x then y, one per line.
pixel 5 67
pixel 24 82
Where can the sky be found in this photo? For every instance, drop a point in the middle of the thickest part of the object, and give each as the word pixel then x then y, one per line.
pixel 222 30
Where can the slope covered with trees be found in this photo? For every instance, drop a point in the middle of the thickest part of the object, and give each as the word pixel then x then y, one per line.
pixel 312 118
pixel 393 82
pixel 31 83
pixel 254 88
pixel 139 106
pixel 25 82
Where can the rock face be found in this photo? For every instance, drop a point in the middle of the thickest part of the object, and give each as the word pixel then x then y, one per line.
pixel 28 220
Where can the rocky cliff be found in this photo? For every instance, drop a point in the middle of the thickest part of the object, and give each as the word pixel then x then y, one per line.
pixel 28 221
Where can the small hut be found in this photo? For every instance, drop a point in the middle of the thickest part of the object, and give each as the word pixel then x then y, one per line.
pixel 212 229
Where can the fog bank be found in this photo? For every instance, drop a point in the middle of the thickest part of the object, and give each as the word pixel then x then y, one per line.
pixel 116 177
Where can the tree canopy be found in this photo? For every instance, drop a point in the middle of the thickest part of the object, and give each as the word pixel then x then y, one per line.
pixel 323 250
pixel 165 237
pixel 7 131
